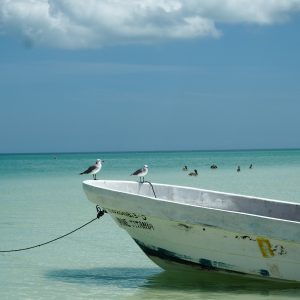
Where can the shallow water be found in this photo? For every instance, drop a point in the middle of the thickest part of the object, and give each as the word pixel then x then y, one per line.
pixel 42 198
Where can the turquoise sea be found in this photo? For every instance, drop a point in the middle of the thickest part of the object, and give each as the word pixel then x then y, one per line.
pixel 41 197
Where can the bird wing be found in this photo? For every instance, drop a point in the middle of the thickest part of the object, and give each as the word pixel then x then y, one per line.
pixel 89 170
pixel 137 172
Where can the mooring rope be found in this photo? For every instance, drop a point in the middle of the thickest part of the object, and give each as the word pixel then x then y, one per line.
pixel 151 187
pixel 100 213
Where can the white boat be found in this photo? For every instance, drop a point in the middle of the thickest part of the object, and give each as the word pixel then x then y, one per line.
pixel 211 231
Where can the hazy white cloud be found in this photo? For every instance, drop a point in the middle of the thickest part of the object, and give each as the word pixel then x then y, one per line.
pixel 97 23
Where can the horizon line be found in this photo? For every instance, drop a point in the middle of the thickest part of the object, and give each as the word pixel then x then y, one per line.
pixel 149 151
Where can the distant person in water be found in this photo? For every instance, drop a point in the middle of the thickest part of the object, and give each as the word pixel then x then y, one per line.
pixel 238 169
pixel 184 168
pixel 214 166
pixel 195 173
pixel 250 167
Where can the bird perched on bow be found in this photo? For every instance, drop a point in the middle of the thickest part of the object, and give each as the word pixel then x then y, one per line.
pixel 94 169
pixel 141 173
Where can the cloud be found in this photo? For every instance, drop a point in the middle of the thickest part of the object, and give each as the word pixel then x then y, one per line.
pixel 98 23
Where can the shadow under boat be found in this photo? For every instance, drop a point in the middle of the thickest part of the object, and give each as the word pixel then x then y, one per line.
pixel 215 282
pixel 155 279
pixel 121 277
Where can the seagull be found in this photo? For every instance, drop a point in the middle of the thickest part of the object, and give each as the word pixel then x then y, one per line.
pixel 195 173
pixel 94 169
pixel 141 172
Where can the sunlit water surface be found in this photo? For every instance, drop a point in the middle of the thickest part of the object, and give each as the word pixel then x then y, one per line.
pixel 41 197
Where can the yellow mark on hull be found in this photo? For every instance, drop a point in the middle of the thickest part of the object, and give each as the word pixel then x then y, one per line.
pixel 265 247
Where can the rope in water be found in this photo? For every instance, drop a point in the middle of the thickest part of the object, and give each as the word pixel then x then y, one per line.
pixel 100 213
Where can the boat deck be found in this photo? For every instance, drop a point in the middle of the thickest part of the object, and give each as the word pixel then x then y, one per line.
pixel 210 199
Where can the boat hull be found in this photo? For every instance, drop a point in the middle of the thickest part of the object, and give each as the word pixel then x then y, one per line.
pixel 174 235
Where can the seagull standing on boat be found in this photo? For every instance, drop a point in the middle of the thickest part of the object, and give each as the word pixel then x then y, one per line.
pixel 195 173
pixel 141 173
pixel 94 169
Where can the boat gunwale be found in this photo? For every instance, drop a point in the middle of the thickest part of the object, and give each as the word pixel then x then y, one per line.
pixel 86 182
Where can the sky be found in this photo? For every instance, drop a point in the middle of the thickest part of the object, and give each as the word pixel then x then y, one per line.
pixel 112 75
